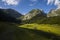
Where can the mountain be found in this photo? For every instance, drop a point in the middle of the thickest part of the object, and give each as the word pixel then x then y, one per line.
pixel 53 17
pixel 38 16
pixel 34 15
pixel 9 31
pixel 9 15
pixel 11 12
pixel 53 13
pixel 34 31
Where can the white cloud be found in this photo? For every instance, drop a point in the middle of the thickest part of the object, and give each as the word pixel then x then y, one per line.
pixel 33 0
pixel 1 7
pixel 55 2
pixel 11 2
pixel 50 1
pixel 32 4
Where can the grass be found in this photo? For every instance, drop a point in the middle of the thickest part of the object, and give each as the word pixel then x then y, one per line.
pixel 11 31
pixel 44 27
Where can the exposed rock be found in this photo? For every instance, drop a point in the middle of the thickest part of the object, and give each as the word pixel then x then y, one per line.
pixel 53 13
pixel 33 13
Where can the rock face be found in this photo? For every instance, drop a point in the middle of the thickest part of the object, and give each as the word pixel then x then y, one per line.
pixel 33 13
pixel 53 13
pixel 53 17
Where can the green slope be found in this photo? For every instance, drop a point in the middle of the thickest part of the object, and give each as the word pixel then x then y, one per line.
pixel 54 29
pixel 12 31
pixel 38 28
pixel 45 20
pixel 51 20
pixel 44 27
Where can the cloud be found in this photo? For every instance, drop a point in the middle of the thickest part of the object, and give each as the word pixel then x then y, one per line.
pixel 33 2
pixel 1 7
pixel 50 2
pixel 11 2
pixel 55 2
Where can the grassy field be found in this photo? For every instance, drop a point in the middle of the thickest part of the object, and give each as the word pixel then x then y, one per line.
pixel 44 27
pixel 11 31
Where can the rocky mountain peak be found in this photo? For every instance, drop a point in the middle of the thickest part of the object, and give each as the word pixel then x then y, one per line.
pixel 33 13
pixel 53 13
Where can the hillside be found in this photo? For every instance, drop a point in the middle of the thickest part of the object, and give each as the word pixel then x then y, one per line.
pixel 10 31
pixel 35 26
pixel 9 15
pixel 35 15
pixel 51 20
pixel 53 13
pixel 53 17
pixel 11 12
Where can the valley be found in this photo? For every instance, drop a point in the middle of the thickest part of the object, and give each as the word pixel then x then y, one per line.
pixel 36 25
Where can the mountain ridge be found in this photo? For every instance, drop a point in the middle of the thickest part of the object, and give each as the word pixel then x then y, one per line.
pixel 41 27
pixel 32 14
pixel 35 15
pixel 12 12
pixel 9 15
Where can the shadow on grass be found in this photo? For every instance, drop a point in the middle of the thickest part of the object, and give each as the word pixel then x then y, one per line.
pixel 9 31
pixel 44 34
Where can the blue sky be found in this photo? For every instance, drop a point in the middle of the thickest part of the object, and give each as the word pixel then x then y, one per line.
pixel 24 6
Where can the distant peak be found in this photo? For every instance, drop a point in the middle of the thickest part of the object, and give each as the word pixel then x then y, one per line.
pixel 38 9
